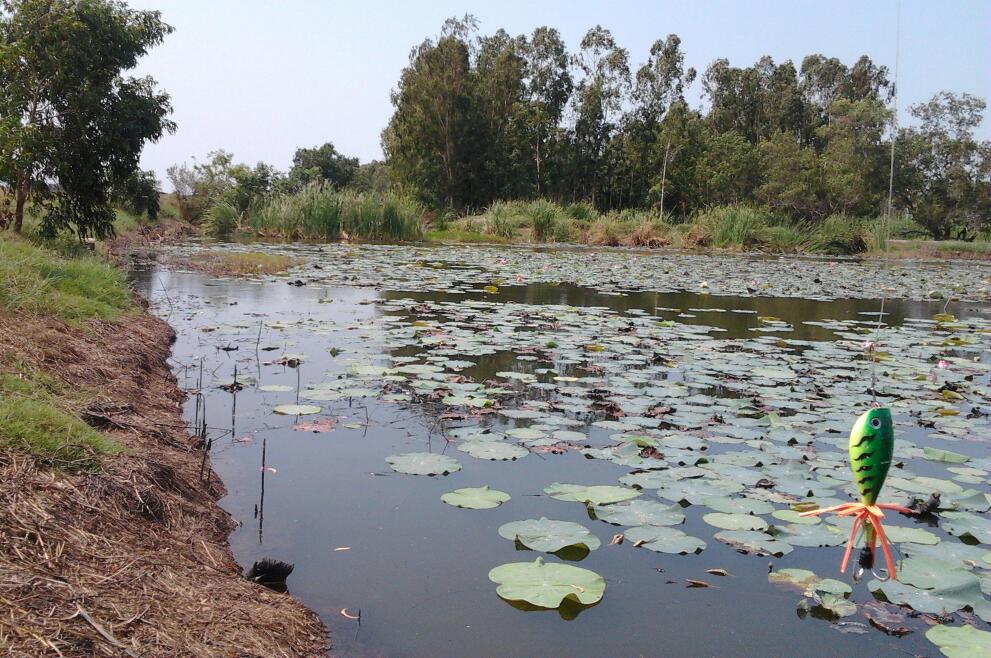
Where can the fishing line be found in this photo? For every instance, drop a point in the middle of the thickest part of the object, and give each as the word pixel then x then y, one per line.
pixel 886 228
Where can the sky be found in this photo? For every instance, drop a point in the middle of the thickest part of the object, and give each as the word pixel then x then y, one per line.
pixel 261 78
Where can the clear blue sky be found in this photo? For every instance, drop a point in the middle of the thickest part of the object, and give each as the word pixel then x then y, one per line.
pixel 260 78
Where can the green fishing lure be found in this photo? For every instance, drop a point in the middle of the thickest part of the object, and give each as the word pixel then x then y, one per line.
pixel 872 443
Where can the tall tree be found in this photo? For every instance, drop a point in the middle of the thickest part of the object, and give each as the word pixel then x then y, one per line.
pixel 426 139
pixel 605 79
pixel 548 88
pixel 944 172
pixel 72 126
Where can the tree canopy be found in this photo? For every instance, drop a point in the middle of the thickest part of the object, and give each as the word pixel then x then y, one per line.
pixel 482 118
pixel 72 125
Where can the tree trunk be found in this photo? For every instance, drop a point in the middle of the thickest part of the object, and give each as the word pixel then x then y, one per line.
pixel 21 195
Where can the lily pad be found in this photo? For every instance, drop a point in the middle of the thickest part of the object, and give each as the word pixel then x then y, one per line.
pixel 664 540
pixel 547 585
pixel 548 535
pixel 423 463
pixel 476 497
pixel 737 505
pixel 297 409
pixel 494 450
pixel 735 521
pixel 960 641
pixel 641 512
pixel 755 543
pixel 600 494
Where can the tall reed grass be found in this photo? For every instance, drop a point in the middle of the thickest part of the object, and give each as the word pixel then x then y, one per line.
pixel 320 212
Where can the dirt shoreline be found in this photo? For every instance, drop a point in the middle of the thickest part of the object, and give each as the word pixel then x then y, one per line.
pixel 133 559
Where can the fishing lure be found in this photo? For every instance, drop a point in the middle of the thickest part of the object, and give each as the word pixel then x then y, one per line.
pixel 872 444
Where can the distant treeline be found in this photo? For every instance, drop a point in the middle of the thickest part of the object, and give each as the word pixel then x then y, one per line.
pixel 483 118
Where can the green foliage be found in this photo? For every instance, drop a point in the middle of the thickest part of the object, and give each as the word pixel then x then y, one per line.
pixel 543 216
pixel 36 280
pixel 322 164
pixel 321 212
pixel 481 118
pixel 139 194
pixel 223 219
pixel 32 420
pixel 73 125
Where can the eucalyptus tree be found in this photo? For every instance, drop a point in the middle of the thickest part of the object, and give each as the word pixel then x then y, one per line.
pixel 548 87
pixel 72 124
pixel 944 171
pixel 427 138
pixel 599 93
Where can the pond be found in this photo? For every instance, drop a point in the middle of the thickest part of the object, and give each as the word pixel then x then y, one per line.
pixel 709 412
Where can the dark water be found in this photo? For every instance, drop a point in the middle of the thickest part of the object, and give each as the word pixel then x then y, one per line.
pixel 416 568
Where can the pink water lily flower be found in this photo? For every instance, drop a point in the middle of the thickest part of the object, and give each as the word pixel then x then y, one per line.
pixel 502 261
pixel 943 364
pixel 868 345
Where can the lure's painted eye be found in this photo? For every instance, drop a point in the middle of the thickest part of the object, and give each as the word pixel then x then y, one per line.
pixel 876 423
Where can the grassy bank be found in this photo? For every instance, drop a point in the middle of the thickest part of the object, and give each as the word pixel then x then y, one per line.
pixel 104 492
pixel 38 413
pixel 735 228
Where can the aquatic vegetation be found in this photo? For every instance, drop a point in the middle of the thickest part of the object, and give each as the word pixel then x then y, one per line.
pixel 321 212
pixel 684 431
pixel 476 498
pixel 547 585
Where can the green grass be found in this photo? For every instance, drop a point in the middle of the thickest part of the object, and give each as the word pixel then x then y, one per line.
pixel 38 280
pixel 242 263
pixel 32 420
pixel 319 212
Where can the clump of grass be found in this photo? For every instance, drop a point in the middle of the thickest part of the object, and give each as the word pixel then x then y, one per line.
pixel 32 421
pixel 582 211
pixel 241 263
pixel 501 219
pixel 841 235
pixel 543 216
pixel 37 280
pixel 222 219
pixel 320 212
pixel 607 231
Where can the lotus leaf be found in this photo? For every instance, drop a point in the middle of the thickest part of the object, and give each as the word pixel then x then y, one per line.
pixel 475 498
pixel 547 585
pixel 601 494
pixel 494 450
pixel 664 540
pixel 640 512
pixel 960 641
pixel 296 409
pixel 423 463
pixel 548 535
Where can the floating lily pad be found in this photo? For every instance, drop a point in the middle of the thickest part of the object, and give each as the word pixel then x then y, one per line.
pixel 755 543
pixel 275 388
pixel 476 498
pixel 965 524
pixel 735 521
pixel 737 505
pixel 548 535
pixel 494 450
pixel 297 409
pixel 960 641
pixel 641 512
pixel 601 494
pixel 664 540
pixel 547 585
pixel 423 463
